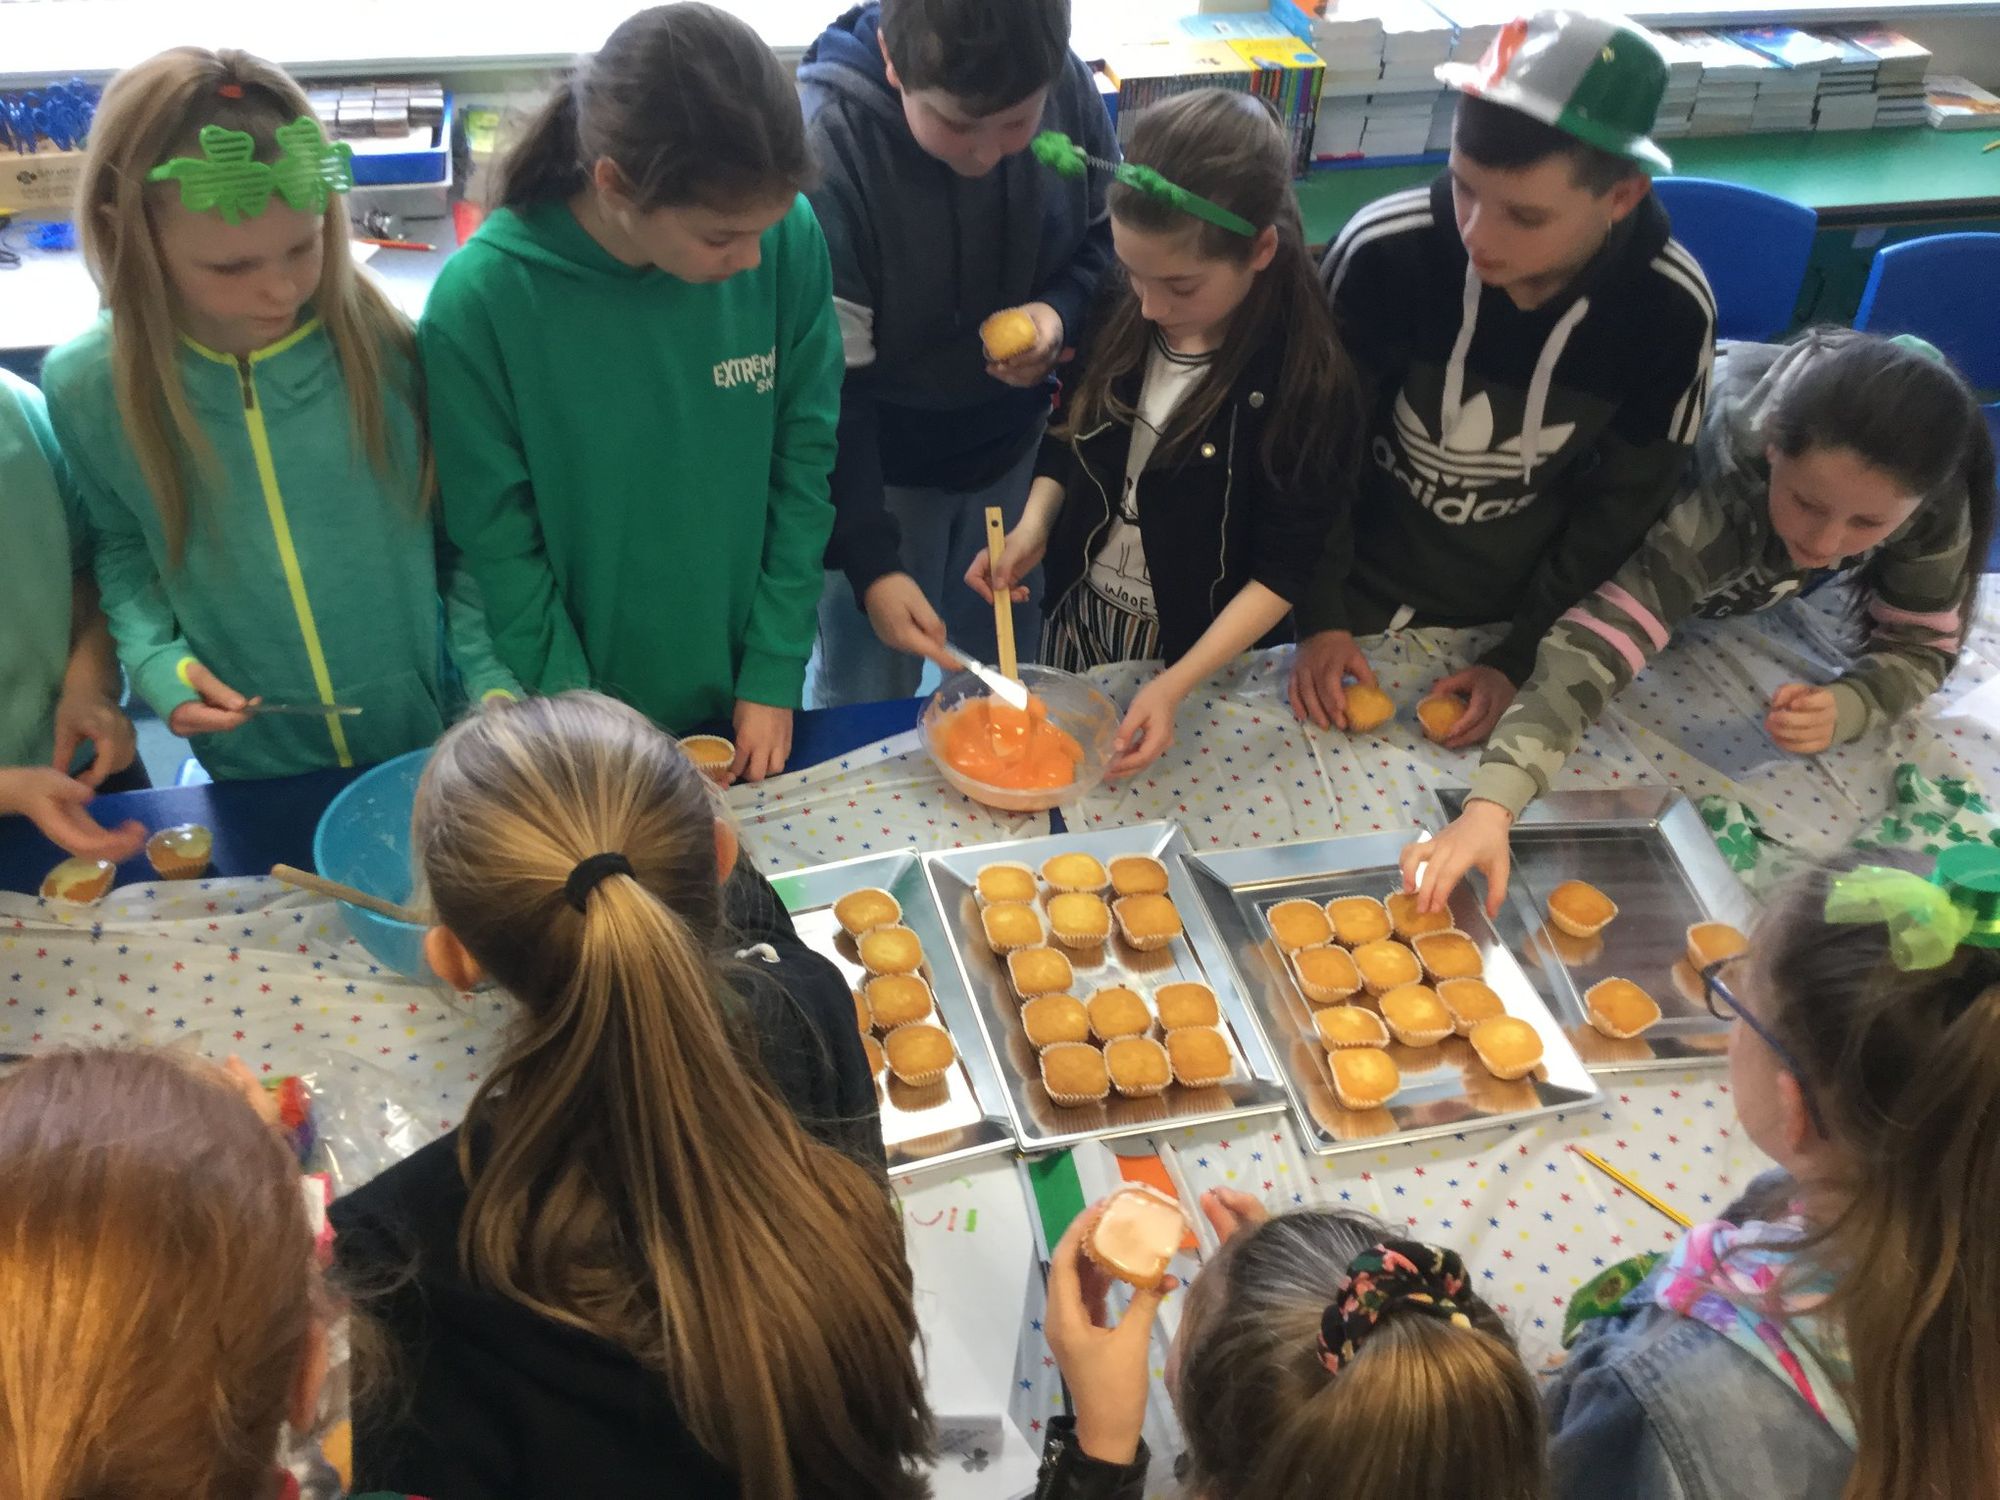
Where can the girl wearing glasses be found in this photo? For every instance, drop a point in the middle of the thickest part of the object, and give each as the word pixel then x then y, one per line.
pixel 1839 1332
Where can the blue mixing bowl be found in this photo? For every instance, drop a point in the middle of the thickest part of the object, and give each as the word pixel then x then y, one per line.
pixel 363 840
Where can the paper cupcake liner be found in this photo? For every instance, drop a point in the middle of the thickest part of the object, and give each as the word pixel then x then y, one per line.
pixel 1201 1082
pixel 1071 1101
pixel 894 921
pixel 1510 1075
pixel 915 1080
pixel 1005 864
pixel 1113 1271
pixel 1079 940
pixel 1433 975
pixel 1600 1025
pixel 1037 941
pixel 1094 889
pixel 1164 882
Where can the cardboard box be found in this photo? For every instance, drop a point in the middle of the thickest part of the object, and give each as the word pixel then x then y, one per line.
pixel 40 185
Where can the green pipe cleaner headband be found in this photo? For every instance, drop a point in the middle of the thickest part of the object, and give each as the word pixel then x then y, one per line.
pixel 1928 920
pixel 1058 152
pixel 228 179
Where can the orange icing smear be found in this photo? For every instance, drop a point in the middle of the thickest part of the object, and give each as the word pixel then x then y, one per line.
pixel 1006 747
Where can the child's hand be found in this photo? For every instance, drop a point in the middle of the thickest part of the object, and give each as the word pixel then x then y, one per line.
pixel 1025 546
pixel 1321 665
pixel 1031 366
pixel 1148 728
pixel 1230 1211
pixel 903 617
pixel 1486 692
pixel 1475 840
pixel 91 716
pixel 217 711
pixel 763 741
pixel 55 804
pixel 1106 1369
pixel 1802 718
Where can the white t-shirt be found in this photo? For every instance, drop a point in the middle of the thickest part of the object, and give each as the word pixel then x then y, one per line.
pixel 1118 572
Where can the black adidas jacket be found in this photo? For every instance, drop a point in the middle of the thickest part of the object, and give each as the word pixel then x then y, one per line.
pixel 1515 459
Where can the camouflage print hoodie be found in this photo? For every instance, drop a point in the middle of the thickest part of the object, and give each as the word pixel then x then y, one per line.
pixel 1714 554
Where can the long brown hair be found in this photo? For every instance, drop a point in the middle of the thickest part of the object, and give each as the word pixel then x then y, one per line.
pixel 685 101
pixel 638 1178
pixel 151 113
pixel 1230 149
pixel 1425 1410
pixel 157 1287
pixel 1905 1068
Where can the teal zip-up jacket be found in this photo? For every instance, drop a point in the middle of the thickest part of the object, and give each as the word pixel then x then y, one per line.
pixel 42 527
pixel 309 575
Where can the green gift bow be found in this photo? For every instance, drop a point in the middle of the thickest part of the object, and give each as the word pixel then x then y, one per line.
pixel 1928 919
pixel 1058 152
pixel 228 179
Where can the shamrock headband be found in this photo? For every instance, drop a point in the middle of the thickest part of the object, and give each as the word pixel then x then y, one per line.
pixel 1394 1276
pixel 228 179
pixel 1058 152
pixel 1928 920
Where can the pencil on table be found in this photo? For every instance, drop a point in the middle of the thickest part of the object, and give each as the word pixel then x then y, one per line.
pixel 1632 1187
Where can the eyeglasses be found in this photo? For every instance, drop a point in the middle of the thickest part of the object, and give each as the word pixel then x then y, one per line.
pixel 1724 1006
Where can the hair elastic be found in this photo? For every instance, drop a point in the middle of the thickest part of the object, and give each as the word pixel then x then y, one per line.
pixel 591 872
pixel 1059 153
pixel 228 179
pixel 231 90
pixel 1392 1276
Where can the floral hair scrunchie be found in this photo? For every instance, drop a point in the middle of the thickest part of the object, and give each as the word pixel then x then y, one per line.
pixel 1390 1277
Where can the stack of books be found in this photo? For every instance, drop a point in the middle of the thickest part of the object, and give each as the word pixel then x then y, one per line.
pixel 1788 87
pixel 1676 116
pixel 1726 98
pixel 1899 73
pixel 1960 104
pixel 1381 92
pixel 1241 52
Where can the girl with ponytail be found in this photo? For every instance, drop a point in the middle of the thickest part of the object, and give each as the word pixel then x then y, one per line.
pixel 642 1264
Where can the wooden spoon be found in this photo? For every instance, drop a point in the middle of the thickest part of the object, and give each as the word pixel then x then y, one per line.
pixel 319 885
pixel 1008 726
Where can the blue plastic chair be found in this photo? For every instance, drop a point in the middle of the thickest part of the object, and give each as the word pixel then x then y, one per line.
pixel 1945 288
pixel 1752 246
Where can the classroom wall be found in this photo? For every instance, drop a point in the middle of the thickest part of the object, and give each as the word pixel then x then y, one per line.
pixel 1967 45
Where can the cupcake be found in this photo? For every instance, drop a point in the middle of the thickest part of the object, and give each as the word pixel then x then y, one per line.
pixel 898 1000
pixel 181 852
pixel 861 1017
pixel 1440 713
pixel 1711 942
pixel 80 882
pixel 865 910
pixel 1200 1056
pixel 1619 1008
pixel 712 756
pixel 1136 1234
pixel 891 950
pixel 1368 708
pixel 1363 1077
pixel 1074 872
pixel 1580 909
pixel 1415 1016
pixel 1010 925
pixel 1008 334
pixel 1508 1046
pixel 1343 1026
pixel 1039 971
pixel 1139 1066
pixel 1385 965
pixel 1408 921
pixel 1079 919
pixel 1298 924
pixel 1186 1003
pixel 1327 975
pixel 1116 1011
pixel 1448 955
pixel 1137 875
pixel 876 1061
pixel 1470 1001
pixel 1074 1074
pixel 1006 881
pixel 1147 922
pixel 918 1055
pixel 1357 920
pixel 1050 1020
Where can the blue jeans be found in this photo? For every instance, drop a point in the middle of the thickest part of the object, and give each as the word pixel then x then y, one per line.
pixel 943 530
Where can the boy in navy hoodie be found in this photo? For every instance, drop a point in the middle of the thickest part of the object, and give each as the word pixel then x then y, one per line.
pixel 936 217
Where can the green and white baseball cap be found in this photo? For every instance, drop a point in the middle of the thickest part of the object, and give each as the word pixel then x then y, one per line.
pixel 1591 76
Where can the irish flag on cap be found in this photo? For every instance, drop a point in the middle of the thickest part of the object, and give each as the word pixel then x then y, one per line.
pixel 1594 77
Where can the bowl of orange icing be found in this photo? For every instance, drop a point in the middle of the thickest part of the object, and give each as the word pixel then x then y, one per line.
pixel 1014 760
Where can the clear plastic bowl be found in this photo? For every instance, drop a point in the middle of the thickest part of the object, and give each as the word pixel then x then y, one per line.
pixel 1074 706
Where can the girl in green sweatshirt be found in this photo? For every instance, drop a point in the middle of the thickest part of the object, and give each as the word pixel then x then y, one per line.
pixel 634 375
pixel 241 427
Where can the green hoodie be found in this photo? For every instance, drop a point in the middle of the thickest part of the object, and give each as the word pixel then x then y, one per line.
pixel 309 577
pixel 43 529
pixel 636 466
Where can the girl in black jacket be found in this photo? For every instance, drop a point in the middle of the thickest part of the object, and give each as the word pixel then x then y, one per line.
pixel 1208 438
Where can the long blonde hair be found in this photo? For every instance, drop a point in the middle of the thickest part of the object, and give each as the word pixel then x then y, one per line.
pixel 151 113
pixel 631 1172
pixel 157 1288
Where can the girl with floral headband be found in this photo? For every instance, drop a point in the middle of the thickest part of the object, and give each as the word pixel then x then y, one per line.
pixel 1316 1359
pixel 242 427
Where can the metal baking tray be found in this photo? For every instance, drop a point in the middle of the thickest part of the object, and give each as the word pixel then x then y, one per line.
pixel 1648 850
pixel 1253 1088
pixel 1445 1089
pixel 962 1117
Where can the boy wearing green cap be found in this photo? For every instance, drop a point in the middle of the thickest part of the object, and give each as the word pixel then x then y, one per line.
pixel 1538 348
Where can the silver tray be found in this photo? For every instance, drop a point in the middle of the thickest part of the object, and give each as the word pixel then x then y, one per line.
pixel 1251 1089
pixel 1648 850
pixel 1445 1090
pixel 953 1121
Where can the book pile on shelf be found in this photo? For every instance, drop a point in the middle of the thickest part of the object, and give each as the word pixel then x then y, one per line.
pixel 1677 102
pixel 1381 100
pixel 1726 98
pixel 1785 78
pixel 1900 66
pixel 1956 103
pixel 1245 53
pixel 1792 61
